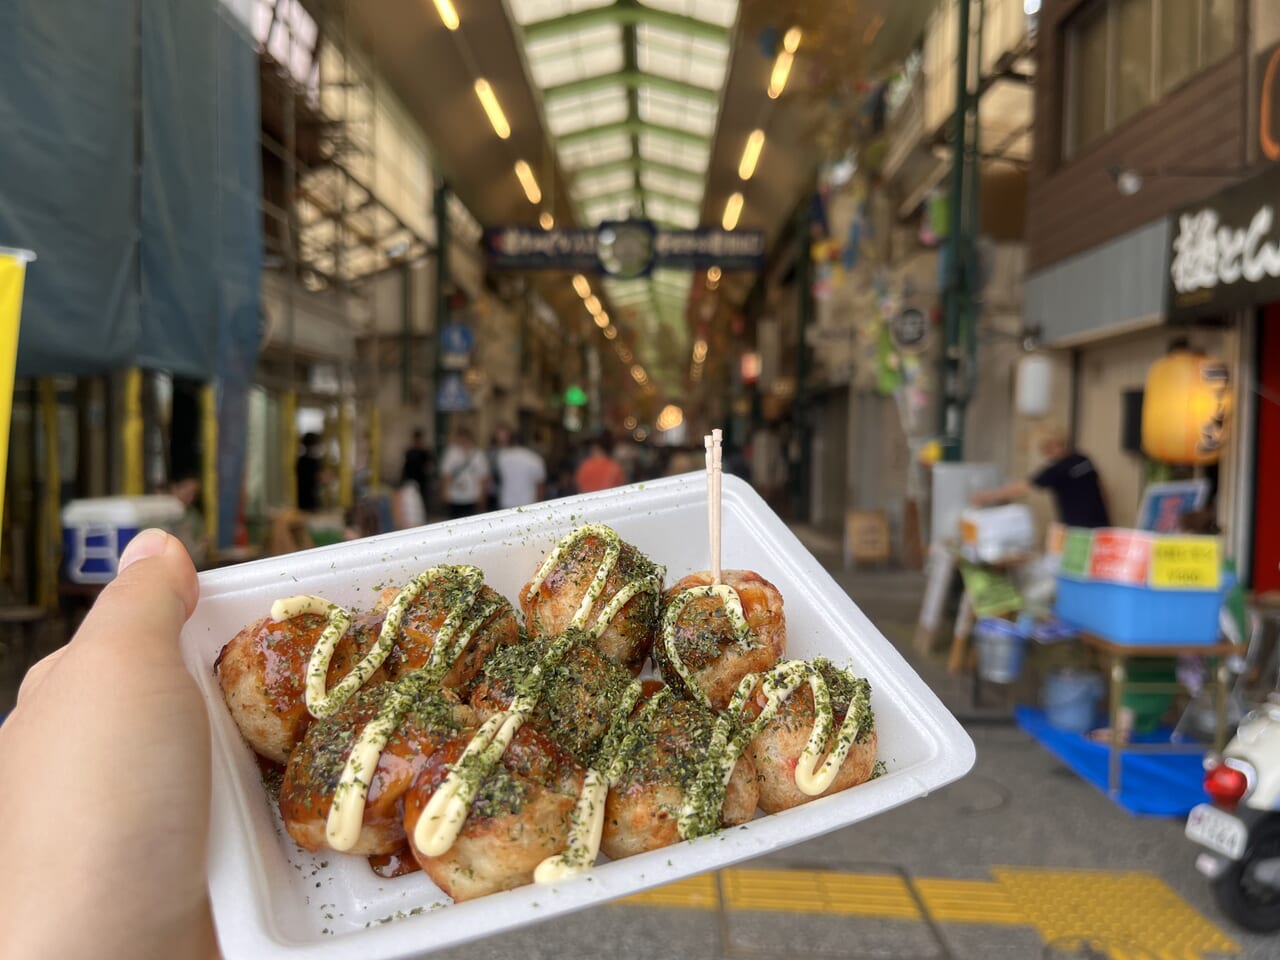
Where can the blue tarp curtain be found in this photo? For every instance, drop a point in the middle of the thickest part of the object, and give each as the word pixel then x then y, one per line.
pixel 130 165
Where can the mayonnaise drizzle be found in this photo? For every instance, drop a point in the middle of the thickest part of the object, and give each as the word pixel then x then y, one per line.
pixel 700 813
pixel 612 551
pixel 737 618
pixel 322 703
pixel 586 826
pixel 442 819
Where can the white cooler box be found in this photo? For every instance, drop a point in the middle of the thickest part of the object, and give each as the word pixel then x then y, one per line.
pixel 991 535
pixel 95 531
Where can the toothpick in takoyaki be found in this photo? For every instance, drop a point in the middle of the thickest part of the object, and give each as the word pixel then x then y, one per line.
pixel 713 635
pixel 594 581
pixel 668 751
pixel 519 816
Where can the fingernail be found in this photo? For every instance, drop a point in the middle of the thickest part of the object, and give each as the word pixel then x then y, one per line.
pixel 149 543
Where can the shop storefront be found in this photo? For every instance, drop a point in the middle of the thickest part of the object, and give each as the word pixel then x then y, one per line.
pixel 1224 266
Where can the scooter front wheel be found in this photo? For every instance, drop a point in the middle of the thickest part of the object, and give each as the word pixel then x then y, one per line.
pixel 1248 891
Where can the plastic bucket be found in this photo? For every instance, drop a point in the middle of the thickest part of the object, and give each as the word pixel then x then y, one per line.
pixel 1071 700
pixel 1001 647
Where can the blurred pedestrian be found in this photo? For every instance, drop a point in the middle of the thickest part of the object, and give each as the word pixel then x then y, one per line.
pixel 519 472
pixel 599 471
pixel 310 472
pixel 419 465
pixel 1068 474
pixel 464 475
pixel 190 529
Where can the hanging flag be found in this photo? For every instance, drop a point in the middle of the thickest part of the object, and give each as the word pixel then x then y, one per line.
pixel 13 271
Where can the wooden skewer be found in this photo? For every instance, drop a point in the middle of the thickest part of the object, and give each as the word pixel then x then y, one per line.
pixel 714 471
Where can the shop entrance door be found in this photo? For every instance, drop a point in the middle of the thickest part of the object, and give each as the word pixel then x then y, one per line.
pixel 1266 533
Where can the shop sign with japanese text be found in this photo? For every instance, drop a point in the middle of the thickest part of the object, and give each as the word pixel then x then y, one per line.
pixel 1225 251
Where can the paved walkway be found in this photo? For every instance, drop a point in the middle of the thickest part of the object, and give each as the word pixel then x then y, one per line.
pixel 1018 861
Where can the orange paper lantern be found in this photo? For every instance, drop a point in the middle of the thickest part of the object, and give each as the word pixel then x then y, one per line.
pixel 1184 409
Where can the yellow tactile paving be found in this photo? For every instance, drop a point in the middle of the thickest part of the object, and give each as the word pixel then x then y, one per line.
pixel 694 893
pixel 1118 908
pixel 1135 915
pixel 819 891
pixel 968 901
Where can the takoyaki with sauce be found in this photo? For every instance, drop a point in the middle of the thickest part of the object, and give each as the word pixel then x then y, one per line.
pixel 315 774
pixel 519 816
pixel 595 581
pixel 789 776
pixel 310 655
pixel 666 755
pixel 713 635
pixel 579 693
pixel 263 671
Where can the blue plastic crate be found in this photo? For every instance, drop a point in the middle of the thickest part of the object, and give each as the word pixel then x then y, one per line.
pixel 1141 615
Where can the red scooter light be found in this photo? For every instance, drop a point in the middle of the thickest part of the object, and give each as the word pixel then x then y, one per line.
pixel 1225 785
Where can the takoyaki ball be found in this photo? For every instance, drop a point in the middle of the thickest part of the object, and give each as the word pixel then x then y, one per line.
pixel 519 817
pixel 643 809
pixel 490 618
pixel 263 674
pixel 628 635
pixel 579 694
pixel 707 644
pixel 316 766
pixel 777 748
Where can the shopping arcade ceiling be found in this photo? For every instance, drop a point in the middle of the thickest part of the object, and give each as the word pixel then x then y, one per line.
pixel 639 106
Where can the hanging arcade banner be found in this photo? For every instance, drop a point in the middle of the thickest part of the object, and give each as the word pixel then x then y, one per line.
pixel 624 249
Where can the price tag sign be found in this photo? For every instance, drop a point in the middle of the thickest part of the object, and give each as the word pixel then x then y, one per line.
pixel 1076 547
pixel 1186 563
pixel 1120 556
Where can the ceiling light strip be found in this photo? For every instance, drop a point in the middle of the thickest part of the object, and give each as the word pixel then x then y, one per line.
pixel 493 110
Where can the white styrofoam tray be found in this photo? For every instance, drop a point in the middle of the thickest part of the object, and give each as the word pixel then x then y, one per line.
pixel 273 900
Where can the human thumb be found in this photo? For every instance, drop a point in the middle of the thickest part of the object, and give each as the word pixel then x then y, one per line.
pixel 153 594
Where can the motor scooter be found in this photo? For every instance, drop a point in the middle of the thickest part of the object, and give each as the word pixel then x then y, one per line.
pixel 1240 830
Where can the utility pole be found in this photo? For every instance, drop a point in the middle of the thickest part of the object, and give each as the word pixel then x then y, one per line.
pixel 958 295
pixel 441 209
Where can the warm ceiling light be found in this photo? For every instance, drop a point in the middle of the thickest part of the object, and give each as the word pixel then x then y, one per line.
pixel 448 15
pixel 781 71
pixel 524 173
pixel 751 155
pixel 610 332
pixel 630 423
pixel 732 211
pixel 638 374
pixel 699 351
pixel 546 221
pixel 624 354
pixel 602 320
pixel 582 286
pixel 782 66
pixel 493 109
pixel 670 417
pixel 592 303
pixel 713 275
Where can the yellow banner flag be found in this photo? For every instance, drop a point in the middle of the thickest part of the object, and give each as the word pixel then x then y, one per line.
pixel 13 270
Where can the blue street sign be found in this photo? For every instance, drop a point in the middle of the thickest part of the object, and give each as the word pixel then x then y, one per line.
pixel 453 396
pixel 457 338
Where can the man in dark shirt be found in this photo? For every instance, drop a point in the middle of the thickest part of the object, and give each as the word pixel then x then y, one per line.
pixel 309 471
pixel 419 464
pixel 1069 475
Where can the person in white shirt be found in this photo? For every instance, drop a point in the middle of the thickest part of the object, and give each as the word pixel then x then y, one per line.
pixel 464 475
pixel 521 474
